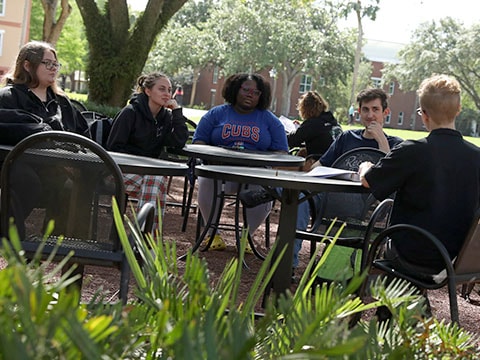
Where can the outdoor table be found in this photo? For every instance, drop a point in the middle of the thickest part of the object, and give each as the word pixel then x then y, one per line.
pixel 133 164
pixel 292 182
pixel 222 155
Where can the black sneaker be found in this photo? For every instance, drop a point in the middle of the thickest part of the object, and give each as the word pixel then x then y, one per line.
pixel 252 198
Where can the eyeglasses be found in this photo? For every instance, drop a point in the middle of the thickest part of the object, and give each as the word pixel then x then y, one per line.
pixel 51 65
pixel 248 91
pixel 420 111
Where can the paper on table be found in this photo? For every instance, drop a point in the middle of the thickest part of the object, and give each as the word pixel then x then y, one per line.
pixel 287 124
pixel 329 172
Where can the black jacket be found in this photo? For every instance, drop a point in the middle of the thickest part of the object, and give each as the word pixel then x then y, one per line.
pixel 316 133
pixel 136 132
pixel 58 112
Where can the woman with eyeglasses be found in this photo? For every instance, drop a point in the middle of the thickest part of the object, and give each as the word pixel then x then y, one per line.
pixel 31 102
pixel 31 87
pixel 244 122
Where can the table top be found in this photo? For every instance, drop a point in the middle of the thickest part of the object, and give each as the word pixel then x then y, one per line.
pixel 143 165
pixel 133 163
pixel 278 178
pixel 218 154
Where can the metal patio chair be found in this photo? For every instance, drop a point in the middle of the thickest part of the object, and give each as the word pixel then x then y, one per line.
pixel 70 179
pixel 462 270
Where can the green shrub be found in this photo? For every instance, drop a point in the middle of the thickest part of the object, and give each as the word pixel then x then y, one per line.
pixel 181 315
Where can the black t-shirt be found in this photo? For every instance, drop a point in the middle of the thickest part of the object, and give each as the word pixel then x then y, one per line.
pixel 437 185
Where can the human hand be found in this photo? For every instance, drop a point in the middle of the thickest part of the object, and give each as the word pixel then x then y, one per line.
pixel 172 104
pixel 364 167
pixel 375 130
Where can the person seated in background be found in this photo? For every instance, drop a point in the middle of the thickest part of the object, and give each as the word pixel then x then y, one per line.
pixel 318 128
pixel 151 121
pixel 373 109
pixel 244 122
pixel 31 88
pixel 30 93
pixel 436 180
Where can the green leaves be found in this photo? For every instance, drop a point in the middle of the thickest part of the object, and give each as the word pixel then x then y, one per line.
pixel 179 313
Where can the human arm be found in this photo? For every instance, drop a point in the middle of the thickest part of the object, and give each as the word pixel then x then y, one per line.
pixel 362 170
pixel 298 136
pixel 121 129
pixel 178 135
pixel 202 134
pixel 375 130
pixel 279 142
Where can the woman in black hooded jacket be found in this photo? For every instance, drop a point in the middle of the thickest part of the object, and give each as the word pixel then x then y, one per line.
pixel 150 122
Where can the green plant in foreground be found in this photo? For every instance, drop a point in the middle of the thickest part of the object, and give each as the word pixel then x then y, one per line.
pixel 179 314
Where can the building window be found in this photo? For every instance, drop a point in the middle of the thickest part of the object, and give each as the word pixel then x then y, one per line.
pixel 215 74
pixel 305 83
pixel 400 118
pixel 2 7
pixel 387 119
pixel 391 88
pixel 376 82
pixel 213 94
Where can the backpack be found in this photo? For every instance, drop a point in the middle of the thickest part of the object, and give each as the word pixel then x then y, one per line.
pixel 99 126
pixel 16 124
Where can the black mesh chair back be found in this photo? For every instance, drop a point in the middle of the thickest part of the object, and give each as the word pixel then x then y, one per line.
pixel 350 207
pixel 71 180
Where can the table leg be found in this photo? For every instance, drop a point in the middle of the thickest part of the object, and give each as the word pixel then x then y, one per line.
pixel 285 238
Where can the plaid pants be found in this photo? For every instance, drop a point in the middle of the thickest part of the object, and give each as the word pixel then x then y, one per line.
pixel 147 189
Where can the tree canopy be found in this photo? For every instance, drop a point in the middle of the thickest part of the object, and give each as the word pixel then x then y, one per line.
pixel 443 47
pixel 291 37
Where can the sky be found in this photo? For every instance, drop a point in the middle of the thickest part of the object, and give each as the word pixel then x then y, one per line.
pixel 397 19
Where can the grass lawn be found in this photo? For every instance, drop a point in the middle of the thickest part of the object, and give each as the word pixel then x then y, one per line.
pixel 411 135
pixel 404 134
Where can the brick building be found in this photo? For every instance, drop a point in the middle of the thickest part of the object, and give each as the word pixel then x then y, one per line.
pixel 403 104
pixel 14 30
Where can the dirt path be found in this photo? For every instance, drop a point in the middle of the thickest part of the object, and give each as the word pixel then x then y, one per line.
pixel 108 279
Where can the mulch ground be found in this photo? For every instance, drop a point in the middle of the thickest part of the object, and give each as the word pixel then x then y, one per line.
pixel 108 279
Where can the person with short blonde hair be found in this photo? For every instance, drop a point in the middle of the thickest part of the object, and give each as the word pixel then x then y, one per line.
pixel 436 180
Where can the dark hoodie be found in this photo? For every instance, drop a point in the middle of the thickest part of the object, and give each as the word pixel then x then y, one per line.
pixel 58 111
pixel 316 133
pixel 136 132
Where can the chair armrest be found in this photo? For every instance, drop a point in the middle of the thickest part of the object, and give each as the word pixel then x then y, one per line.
pixel 146 217
pixel 382 210
pixel 385 234
pixel 354 242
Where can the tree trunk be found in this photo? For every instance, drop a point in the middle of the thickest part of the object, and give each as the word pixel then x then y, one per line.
pixel 196 73
pixel 118 54
pixel 358 52
pixel 52 28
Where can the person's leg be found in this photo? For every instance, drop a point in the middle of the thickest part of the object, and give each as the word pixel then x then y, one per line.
pixel 153 189
pixel 205 204
pixel 147 189
pixel 205 197
pixel 303 219
pixel 391 253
